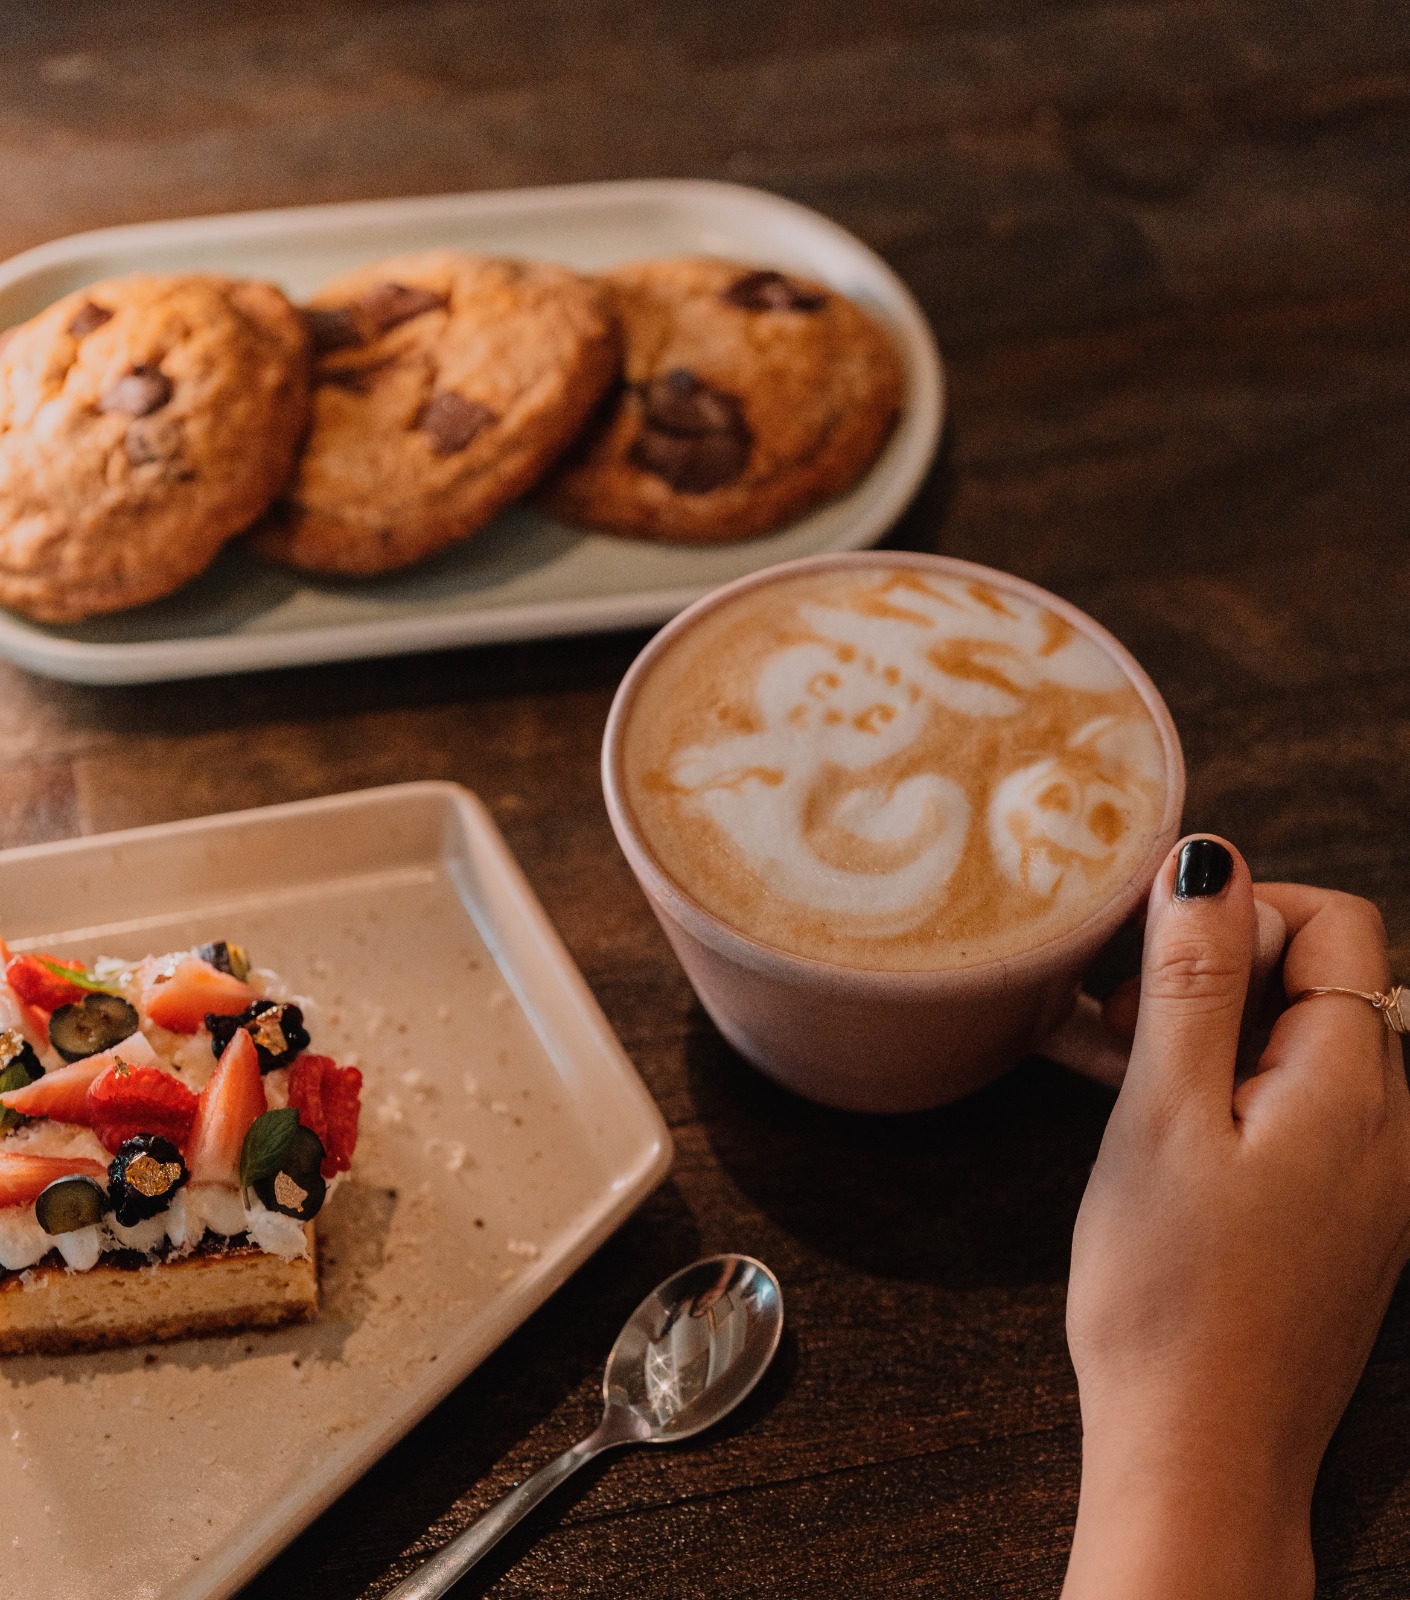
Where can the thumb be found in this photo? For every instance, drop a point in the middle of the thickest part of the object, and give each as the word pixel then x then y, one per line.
pixel 1200 936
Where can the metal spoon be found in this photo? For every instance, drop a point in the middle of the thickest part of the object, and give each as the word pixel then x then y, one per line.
pixel 689 1354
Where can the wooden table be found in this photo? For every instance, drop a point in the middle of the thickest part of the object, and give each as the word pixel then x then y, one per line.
pixel 1164 247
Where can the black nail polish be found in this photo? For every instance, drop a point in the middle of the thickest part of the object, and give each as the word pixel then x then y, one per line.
pixel 1203 869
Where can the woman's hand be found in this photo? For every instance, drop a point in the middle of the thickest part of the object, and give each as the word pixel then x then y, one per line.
pixel 1237 1245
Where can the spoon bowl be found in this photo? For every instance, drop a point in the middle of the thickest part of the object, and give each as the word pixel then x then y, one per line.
pixel 695 1347
pixel 689 1353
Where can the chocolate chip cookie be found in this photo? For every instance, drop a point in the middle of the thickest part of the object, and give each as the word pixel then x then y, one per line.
pixel 445 384
pixel 144 421
pixel 749 397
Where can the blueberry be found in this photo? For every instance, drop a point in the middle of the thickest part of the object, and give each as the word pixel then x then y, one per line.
pixel 70 1203
pixel 91 1025
pixel 144 1175
pixel 226 957
pixel 275 1026
pixel 297 1187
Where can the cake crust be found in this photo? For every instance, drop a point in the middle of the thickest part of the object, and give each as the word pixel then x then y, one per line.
pixel 48 1310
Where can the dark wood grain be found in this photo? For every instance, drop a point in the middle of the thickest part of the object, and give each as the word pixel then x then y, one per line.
pixel 1164 248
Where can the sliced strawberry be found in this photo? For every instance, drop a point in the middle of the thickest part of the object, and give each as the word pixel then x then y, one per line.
pixel 124 1101
pixel 181 1001
pixel 24 1178
pixel 328 1099
pixel 229 1103
pixel 37 985
pixel 62 1095
pixel 15 1014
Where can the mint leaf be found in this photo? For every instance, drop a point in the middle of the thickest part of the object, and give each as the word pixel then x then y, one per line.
pixel 267 1144
pixel 13 1077
pixel 76 976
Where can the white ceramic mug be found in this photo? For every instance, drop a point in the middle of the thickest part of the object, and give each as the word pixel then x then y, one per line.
pixel 868 1040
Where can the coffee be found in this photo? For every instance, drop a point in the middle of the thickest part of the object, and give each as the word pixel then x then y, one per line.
pixel 889 767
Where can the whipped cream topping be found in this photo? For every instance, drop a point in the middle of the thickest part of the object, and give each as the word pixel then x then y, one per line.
pixel 195 1210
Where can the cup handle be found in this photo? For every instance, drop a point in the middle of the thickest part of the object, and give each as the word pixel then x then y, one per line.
pixel 1085 1044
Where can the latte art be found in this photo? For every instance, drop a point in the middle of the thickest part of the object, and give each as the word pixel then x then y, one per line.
pixel 895 769
pixel 1055 825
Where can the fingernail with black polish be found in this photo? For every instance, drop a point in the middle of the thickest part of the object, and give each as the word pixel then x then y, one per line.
pixel 1203 869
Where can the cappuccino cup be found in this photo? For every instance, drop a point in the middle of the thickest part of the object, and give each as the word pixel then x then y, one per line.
pixel 887 807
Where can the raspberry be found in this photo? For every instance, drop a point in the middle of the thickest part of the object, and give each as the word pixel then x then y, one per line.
pixel 37 985
pixel 124 1101
pixel 328 1099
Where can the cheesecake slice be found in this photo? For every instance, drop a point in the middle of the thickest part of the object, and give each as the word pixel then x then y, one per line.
pixel 166 1139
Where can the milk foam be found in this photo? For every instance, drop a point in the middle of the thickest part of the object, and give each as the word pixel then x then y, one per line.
pixel 893 768
pixel 1056 824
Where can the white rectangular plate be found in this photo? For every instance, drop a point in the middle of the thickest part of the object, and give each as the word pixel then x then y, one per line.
pixel 504 1136
pixel 526 576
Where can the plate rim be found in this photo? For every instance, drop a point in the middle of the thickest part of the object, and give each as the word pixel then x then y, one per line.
pixel 235 1562
pixel 164 660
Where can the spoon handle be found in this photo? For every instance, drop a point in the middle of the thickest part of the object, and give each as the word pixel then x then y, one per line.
pixel 455 1559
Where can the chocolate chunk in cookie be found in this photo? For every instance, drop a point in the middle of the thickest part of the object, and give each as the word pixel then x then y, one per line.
pixel 692 436
pixel 143 390
pixel 383 306
pixel 453 422
pixel 386 305
pixel 738 413
pixel 771 291
pixel 89 316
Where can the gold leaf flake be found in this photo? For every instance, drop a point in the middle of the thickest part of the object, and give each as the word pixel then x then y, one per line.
pixel 152 1177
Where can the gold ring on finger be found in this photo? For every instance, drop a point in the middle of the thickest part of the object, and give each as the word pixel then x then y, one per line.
pixel 1393 1005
